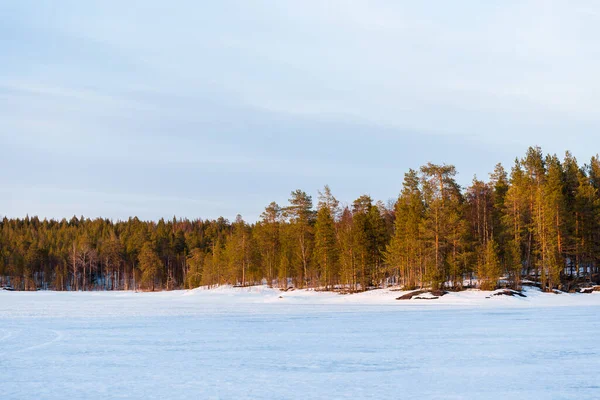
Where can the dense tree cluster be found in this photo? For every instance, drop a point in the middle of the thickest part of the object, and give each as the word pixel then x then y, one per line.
pixel 541 220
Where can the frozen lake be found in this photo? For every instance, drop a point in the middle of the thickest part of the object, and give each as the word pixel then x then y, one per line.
pixel 182 345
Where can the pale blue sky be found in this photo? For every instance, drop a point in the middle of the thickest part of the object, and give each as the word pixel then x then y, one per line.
pixel 208 108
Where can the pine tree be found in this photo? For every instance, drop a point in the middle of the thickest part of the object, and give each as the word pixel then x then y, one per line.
pixel 195 261
pixel 586 217
pixel 404 254
pixel 443 203
pixel 534 175
pixel 150 265
pixel 301 220
pixel 378 239
pixel 267 237
pixel 593 171
pixel 499 184
pixel 111 257
pixel 326 250
pixel 348 270
pixel 554 226
pixel 360 239
pixel 571 186
pixel 326 241
pixel 514 221
pixel 489 267
pixel 238 252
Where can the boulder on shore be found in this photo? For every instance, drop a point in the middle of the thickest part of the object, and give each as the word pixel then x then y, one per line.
pixel 423 295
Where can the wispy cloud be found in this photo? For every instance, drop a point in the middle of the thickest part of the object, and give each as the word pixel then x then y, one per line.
pixel 242 102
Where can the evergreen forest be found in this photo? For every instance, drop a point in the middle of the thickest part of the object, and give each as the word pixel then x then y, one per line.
pixel 538 220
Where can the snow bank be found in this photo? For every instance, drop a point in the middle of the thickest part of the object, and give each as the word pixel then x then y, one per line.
pixel 201 300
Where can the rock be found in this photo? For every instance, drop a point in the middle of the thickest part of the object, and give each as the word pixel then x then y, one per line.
pixel 410 295
pixel 589 290
pixel 509 292
pixel 417 295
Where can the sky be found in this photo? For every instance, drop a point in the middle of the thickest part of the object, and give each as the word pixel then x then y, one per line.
pixel 203 109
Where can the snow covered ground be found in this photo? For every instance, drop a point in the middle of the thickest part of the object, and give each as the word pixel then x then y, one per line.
pixel 260 343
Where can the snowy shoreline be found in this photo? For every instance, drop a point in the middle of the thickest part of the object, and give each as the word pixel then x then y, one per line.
pixel 200 300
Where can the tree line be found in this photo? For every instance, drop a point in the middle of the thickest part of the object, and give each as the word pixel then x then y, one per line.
pixel 541 220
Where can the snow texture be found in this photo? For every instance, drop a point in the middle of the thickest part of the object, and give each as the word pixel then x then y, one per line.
pixel 261 343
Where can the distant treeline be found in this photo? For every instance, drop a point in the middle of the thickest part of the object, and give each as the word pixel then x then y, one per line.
pixel 540 220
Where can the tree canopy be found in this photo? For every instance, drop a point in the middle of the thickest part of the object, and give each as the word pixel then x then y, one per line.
pixel 541 221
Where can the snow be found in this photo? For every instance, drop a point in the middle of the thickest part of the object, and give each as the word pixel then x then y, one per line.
pixel 261 343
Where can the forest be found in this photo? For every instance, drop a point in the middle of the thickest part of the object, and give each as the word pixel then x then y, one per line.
pixel 539 221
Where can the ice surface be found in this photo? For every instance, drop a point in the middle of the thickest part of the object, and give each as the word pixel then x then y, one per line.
pixel 259 343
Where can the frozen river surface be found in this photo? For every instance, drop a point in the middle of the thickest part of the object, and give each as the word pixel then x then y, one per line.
pixel 224 345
